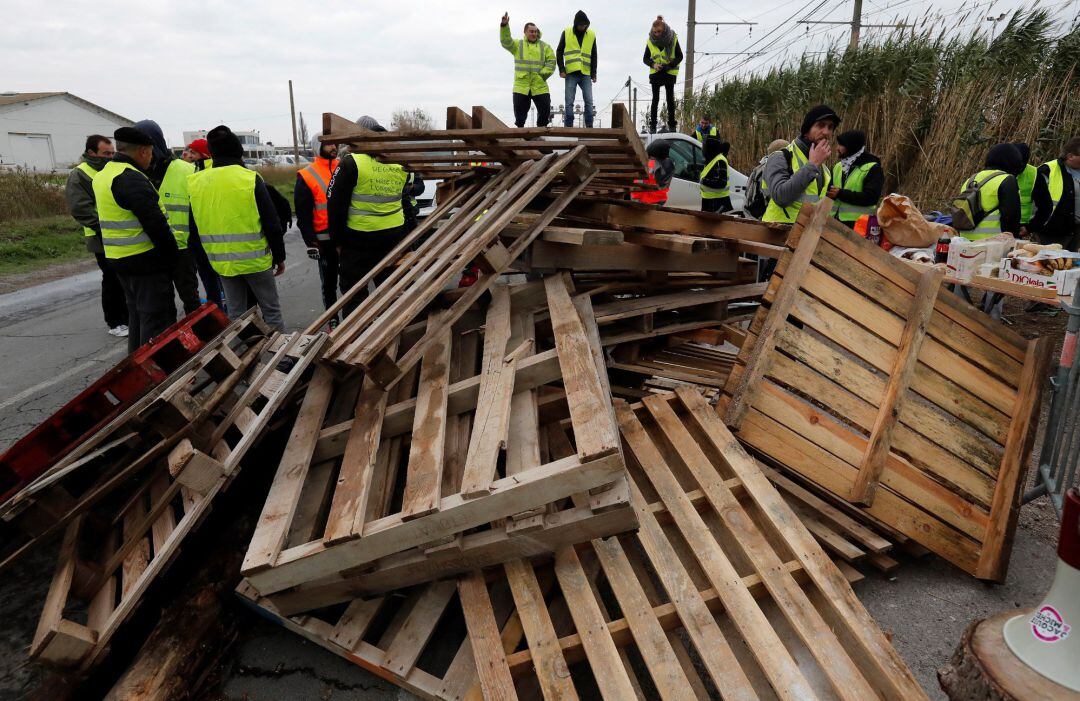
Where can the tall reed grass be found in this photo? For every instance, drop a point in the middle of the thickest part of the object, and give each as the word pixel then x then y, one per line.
pixel 931 102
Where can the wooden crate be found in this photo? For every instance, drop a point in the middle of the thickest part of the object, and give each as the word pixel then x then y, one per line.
pixel 720 594
pixel 417 484
pixel 112 553
pixel 865 377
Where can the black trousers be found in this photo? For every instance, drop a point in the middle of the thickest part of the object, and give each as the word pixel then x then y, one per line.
pixel 210 280
pixel 521 109
pixel 151 307
pixel 360 254
pixel 668 83
pixel 113 304
pixel 328 273
pixel 716 204
pixel 186 281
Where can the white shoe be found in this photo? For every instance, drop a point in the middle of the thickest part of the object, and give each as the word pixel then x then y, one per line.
pixel 120 331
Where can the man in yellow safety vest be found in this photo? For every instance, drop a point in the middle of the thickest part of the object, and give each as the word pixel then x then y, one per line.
pixel 1056 217
pixel 534 62
pixel 136 236
pixel 576 56
pixel 795 175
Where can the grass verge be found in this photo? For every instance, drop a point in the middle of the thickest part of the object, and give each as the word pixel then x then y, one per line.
pixel 27 245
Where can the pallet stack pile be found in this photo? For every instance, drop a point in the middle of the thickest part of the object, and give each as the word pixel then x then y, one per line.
pixel 615 465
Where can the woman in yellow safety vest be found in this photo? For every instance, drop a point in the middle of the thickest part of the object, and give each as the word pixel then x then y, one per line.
pixel 663 56
pixel 857 178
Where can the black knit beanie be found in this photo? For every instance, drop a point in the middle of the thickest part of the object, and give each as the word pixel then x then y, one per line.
pixel 852 140
pixel 816 114
pixel 223 143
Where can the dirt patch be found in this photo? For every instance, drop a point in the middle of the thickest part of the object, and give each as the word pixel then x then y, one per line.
pixel 18 281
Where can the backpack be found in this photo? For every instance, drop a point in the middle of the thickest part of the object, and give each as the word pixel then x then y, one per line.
pixel 756 202
pixel 966 209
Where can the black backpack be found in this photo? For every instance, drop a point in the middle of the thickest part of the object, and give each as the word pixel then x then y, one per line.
pixel 756 202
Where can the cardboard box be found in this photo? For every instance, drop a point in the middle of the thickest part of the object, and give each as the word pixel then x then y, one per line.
pixel 965 257
pixel 1062 281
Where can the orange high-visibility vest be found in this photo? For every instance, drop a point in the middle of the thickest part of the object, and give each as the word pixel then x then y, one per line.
pixel 317 177
pixel 650 196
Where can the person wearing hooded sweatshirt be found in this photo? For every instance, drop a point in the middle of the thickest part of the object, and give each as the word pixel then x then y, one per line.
pixel 663 56
pixel 198 154
pixel 1057 198
pixel 534 62
pixel 998 192
pixel 576 57
pixel 1026 182
pixel 234 217
pixel 365 213
pixel 309 200
pixel 794 175
pixel 660 169
pixel 169 176
pixel 79 193
pixel 715 193
pixel 137 238
pixel 857 179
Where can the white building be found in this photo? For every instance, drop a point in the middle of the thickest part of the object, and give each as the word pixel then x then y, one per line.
pixel 46 131
pixel 252 141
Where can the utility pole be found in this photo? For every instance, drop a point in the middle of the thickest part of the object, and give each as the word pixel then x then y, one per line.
pixel 292 111
pixel 633 108
pixel 691 23
pixel 856 24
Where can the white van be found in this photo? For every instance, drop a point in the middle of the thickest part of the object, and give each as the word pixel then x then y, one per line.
pixel 689 162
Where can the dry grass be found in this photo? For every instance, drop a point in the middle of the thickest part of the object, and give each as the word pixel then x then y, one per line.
pixel 25 195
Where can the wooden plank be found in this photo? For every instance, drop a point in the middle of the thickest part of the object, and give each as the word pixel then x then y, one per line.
pixel 997 542
pixel 546 255
pixel 491 666
pixel 423 485
pixel 551 669
pixel 594 433
pixel 811 221
pixel 277 514
pixel 414 635
pixel 680 243
pixel 907 358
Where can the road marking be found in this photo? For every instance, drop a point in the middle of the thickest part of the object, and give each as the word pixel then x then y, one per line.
pixel 31 391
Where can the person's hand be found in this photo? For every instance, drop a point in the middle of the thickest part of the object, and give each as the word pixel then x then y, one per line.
pixel 658 66
pixel 819 152
pixel 1024 233
pixel 313 253
pixel 562 74
pixel 594 79
pixel 505 19
pixel 833 192
pixel 279 268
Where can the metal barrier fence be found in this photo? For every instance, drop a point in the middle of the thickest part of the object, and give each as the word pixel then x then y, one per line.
pixel 1060 455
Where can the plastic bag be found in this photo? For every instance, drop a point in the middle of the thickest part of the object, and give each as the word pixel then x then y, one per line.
pixel 904 224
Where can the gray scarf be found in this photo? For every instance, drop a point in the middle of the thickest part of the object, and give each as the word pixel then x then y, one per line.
pixel 848 161
pixel 665 40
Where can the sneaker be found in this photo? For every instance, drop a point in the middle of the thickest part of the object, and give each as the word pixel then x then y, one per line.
pixel 120 331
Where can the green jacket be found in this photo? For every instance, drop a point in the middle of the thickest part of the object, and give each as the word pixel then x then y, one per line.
pixel 533 63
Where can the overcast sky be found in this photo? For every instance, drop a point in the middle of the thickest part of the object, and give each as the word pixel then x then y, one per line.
pixel 195 64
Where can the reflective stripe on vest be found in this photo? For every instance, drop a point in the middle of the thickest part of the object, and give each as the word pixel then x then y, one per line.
pixel 657 55
pixel 578 57
pixel 850 213
pixel 774 212
pixel 317 177
pixel 988 196
pixel 89 171
pixel 173 196
pixel 712 193
pixel 224 208
pixel 121 232
pixel 376 198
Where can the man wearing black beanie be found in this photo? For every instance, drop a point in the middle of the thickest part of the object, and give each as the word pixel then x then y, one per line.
pixel 235 220
pixel 795 175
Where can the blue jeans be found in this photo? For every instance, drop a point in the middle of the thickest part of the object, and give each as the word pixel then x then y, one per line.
pixel 573 80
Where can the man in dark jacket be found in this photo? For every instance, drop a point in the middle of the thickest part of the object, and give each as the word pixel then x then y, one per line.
pixel 857 179
pixel 1056 198
pixel 247 278
pixel 715 193
pixel 576 68
pixel 129 210
pixel 79 194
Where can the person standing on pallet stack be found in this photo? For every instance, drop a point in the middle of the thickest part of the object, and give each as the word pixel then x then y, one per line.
pixel 663 56
pixel 309 201
pixel 169 176
pixel 715 192
pixel 234 217
pixel 137 238
pixel 857 179
pixel 365 214
pixel 576 56
pixel 79 193
pixel 534 62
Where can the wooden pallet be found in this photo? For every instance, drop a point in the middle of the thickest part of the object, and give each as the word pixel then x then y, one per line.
pixel 470 140
pixel 111 554
pixel 860 374
pixel 471 233
pixel 720 594
pixel 409 489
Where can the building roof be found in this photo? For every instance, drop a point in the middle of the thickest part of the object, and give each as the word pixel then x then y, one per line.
pixel 13 98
